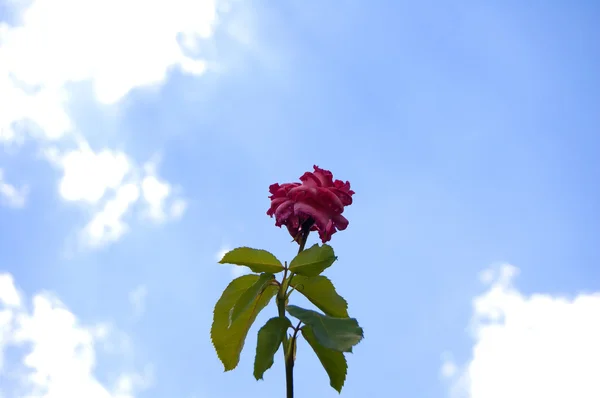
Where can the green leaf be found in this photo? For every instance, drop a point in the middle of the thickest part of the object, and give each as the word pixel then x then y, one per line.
pixel 320 291
pixel 333 362
pixel 270 337
pixel 339 334
pixel 313 261
pixel 229 340
pixel 255 259
pixel 250 295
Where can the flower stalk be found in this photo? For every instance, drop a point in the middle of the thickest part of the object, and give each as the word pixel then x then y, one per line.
pixel 316 203
pixel 289 346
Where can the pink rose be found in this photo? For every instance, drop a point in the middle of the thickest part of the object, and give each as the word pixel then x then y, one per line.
pixel 318 201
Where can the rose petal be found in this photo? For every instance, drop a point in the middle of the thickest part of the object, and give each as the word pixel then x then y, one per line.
pixel 310 180
pixel 302 192
pixel 344 197
pixel 325 176
pixel 318 199
pixel 284 211
pixel 273 188
pixel 340 221
pixel 274 205
pixel 327 232
pixel 319 215
pixel 293 230
pixel 339 184
pixel 326 198
pixel 323 196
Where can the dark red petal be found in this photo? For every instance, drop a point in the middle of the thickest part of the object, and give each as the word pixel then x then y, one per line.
pixel 302 192
pixel 292 230
pixel 293 224
pixel 344 186
pixel 320 216
pixel 326 233
pixel 325 176
pixel 283 212
pixel 273 188
pixel 310 180
pixel 340 222
pixel 287 186
pixel 275 203
pixel 344 197
pixel 329 200
pixel 281 190
pixel 323 196
pixel 285 189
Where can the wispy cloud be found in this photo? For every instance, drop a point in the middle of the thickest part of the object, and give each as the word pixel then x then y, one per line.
pixel 221 252
pixel 10 195
pixel 41 60
pixel 58 351
pixel 237 271
pixel 449 368
pixel 122 192
pixel 137 299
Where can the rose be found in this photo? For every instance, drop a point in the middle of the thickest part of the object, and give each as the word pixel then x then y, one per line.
pixel 316 204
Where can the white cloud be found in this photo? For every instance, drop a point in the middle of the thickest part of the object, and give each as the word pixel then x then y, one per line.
pixel 10 195
pixel 449 367
pixel 50 48
pixel 57 354
pixel 487 276
pixel 536 345
pixel 178 207
pixel 9 296
pixel 155 193
pixel 137 299
pixel 107 225
pixel 88 175
pixel 111 184
pixel 116 46
pixel 157 196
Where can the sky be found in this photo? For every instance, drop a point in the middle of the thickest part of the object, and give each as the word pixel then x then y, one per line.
pixel 138 141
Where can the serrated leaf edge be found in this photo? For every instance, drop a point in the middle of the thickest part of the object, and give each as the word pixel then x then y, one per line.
pixel 345 369
pixel 293 267
pixel 277 349
pixel 295 286
pixel 243 340
pixel 266 283
pixel 325 327
pixel 279 265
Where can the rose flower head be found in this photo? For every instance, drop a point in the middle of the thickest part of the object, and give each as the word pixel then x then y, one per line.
pixel 317 202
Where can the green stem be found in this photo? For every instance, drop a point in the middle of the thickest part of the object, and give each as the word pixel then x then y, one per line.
pixel 289 363
pixel 281 297
pixel 288 352
pixel 303 241
pixel 289 371
pixel 288 355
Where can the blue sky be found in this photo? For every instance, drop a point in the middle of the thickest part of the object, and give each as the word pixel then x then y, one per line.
pixel 133 155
